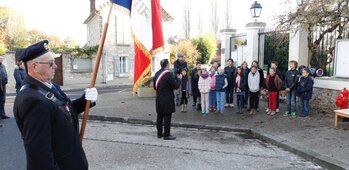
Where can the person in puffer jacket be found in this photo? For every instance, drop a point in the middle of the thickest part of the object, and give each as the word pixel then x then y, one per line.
pixel 305 92
pixel 204 87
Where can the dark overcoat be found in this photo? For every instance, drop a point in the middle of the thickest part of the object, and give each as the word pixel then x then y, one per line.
pixel 49 132
pixel 165 92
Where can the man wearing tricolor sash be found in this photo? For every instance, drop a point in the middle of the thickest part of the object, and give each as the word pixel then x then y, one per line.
pixel 165 84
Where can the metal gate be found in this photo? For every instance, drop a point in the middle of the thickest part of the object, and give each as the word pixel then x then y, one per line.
pixel 274 46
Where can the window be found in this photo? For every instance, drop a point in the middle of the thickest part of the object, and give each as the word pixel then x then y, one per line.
pixel 121 65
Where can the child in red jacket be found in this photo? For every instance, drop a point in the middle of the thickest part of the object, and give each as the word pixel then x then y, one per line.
pixel 273 84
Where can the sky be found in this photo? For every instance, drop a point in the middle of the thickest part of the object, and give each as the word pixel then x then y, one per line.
pixel 64 18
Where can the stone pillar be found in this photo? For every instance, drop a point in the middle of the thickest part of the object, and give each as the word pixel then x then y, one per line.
pixel 298 47
pixel 228 41
pixel 253 43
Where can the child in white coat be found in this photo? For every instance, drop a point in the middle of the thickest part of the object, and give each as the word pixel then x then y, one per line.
pixel 204 87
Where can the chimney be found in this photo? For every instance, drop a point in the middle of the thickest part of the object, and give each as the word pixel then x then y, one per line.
pixel 92 5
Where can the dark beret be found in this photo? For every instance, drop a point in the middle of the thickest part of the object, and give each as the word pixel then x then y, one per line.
pixel 34 51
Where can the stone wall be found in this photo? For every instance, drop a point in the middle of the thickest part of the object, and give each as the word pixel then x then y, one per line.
pixel 71 77
pixel 324 100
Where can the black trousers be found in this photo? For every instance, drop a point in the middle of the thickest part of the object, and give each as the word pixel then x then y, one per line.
pixel 2 101
pixel 164 120
pixel 229 94
pixel 246 97
pixel 254 100
pixel 184 99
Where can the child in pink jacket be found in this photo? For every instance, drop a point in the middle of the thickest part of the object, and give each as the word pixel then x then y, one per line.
pixel 204 87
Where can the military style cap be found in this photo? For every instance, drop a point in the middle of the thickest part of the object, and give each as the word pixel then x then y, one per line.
pixel 34 51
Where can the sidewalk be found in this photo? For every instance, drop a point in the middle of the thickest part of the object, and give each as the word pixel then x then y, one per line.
pixel 315 136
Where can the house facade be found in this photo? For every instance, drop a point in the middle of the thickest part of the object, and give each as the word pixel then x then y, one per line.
pixel 118 54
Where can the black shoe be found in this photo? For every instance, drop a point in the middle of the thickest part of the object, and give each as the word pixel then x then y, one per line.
pixel 194 104
pixel 5 117
pixel 160 136
pixel 0 125
pixel 170 137
pixel 249 109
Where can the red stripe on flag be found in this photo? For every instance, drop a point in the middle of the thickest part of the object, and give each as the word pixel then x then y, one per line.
pixel 158 37
pixel 141 63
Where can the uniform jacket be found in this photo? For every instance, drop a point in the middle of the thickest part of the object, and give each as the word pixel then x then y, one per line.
pixel 165 92
pixel 305 87
pixel 204 84
pixel 49 132
pixel 291 79
pixel 19 75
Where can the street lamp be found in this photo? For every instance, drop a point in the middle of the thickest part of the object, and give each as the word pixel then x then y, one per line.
pixel 256 10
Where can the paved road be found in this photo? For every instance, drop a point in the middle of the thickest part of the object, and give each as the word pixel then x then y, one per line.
pixel 125 146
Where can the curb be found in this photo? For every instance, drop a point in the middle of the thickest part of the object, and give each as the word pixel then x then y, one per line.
pixel 176 124
pixel 322 160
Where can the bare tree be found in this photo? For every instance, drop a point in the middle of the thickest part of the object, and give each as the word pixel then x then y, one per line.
pixel 228 15
pixel 186 23
pixel 320 18
pixel 200 24
pixel 214 17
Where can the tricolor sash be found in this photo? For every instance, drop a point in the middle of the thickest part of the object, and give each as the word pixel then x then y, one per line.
pixel 160 78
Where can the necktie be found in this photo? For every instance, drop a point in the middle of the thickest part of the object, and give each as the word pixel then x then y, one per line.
pixel 57 92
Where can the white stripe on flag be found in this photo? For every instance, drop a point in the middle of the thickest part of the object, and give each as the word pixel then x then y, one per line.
pixel 141 23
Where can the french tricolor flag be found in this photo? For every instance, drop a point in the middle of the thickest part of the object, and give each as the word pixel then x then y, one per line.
pixel 146 25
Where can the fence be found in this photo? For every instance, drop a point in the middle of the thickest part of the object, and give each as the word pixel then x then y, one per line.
pixel 323 55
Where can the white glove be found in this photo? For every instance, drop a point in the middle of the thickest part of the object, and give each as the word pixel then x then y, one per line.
pixel 91 94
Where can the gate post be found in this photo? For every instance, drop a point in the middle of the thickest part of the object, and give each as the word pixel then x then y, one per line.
pixel 253 42
pixel 298 49
pixel 227 43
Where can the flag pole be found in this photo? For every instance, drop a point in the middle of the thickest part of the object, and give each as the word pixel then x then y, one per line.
pixel 95 72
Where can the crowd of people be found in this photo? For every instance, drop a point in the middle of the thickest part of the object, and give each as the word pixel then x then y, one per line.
pixel 213 88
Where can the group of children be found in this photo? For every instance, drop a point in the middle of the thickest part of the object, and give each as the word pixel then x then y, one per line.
pixel 216 88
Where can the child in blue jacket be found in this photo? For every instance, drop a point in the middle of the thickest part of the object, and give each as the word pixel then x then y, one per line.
pixel 305 92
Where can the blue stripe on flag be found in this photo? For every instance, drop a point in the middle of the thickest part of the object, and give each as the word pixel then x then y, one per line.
pixel 124 3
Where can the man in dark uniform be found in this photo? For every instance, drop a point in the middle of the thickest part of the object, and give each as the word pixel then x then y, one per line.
pixel 3 82
pixel 46 117
pixel 164 84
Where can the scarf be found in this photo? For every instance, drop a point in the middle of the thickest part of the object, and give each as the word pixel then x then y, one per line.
pixel 204 76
